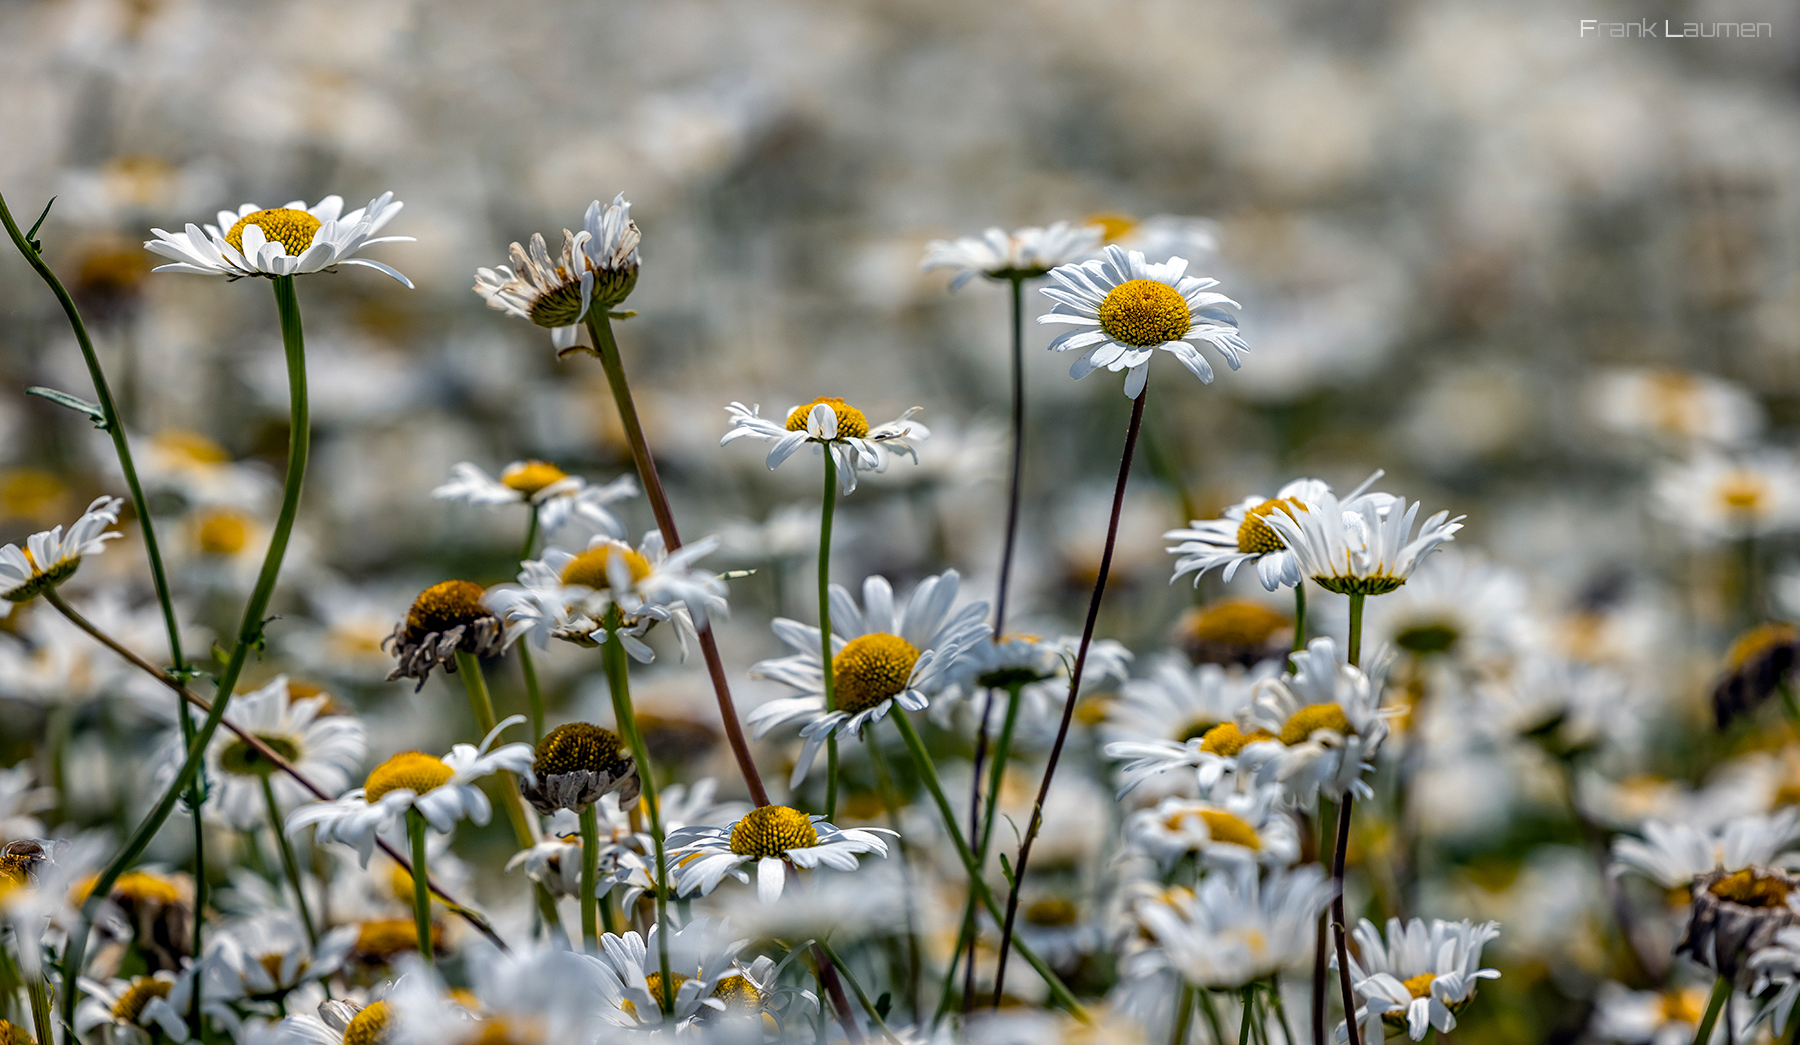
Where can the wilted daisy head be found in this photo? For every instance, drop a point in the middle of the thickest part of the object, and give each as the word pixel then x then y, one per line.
pixel 835 427
pixel 52 556
pixel 1126 308
pixel 1022 254
pixel 597 268
pixel 577 763
pixel 447 617
pixel 281 241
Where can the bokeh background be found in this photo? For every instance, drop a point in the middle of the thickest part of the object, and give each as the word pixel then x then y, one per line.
pixel 1453 227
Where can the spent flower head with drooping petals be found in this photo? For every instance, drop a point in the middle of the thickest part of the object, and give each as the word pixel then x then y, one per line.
pixel 597 268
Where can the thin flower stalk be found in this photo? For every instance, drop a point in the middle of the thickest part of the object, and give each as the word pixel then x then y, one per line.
pixel 967 938
pixel 599 327
pixel 1720 992
pixel 590 874
pixel 288 864
pixel 862 997
pixel 1068 712
pixel 1184 1016
pixel 534 695
pixel 415 832
pixel 829 675
pixel 1340 931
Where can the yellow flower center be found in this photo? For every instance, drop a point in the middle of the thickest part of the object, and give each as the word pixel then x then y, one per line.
pixel 1758 641
pixel 1255 536
pixel 739 995
pixel 851 422
pixel 1226 740
pixel 1237 622
pixel 581 746
pixel 383 938
pixel 1052 913
pixel 198 449
pixel 1748 889
pixel 1684 1006
pixel 654 981
pixel 1314 717
pixel 589 568
pixel 871 669
pixel 1226 827
pixel 374 1025
pixel 1197 729
pixel 240 759
pixel 1742 492
pixel 223 532
pixel 1419 986
pixel 130 1006
pixel 443 606
pixel 409 769
pixel 293 229
pixel 1145 313
pixel 1113 225
pixel 770 831
pixel 132 887
pixel 500 1030
pixel 529 477
pixel 13 1034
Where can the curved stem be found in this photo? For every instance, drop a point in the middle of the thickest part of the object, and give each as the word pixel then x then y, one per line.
pixel 249 636
pixel 825 658
pixel 415 830
pixel 600 329
pixel 590 875
pixel 1062 731
pixel 619 682
pixel 288 863
pixel 1721 990
pixel 1018 454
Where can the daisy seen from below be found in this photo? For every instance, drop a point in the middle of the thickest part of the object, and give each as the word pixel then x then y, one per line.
pixel 882 655
pixel 1021 254
pixel 1715 498
pixel 1235 929
pixel 291 240
pixel 447 618
pixel 770 836
pixel 266 957
pixel 1420 978
pixel 441 789
pixel 597 268
pixel 1361 550
pixel 1243 534
pixel 1126 309
pixel 832 426
pixel 1180 717
pixel 554 494
pixel 51 556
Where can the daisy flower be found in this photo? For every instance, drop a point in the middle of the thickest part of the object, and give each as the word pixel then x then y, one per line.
pixel 1462 607
pixel 700 959
pixel 137 1009
pixel 1163 722
pixel 575 765
pixel 1040 668
pixel 1359 549
pixel 597 268
pixel 1235 929
pixel 881 656
pixel 570 596
pixel 338 1022
pixel 446 618
pixel 555 494
pixel 831 425
pixel 1240 632
pixel 1776 965
pixel 1735 914
pixel 442 790
pixel 1161 236
pixel 1672 855
pixel 1674 405
pixel 1231 829
pixel 1665 1017
pixel 1717 498
pixel 1420 978
pixel 20 801
pixel 530 995
pixel 1127 308
pixel 1317 730
pixel 281 241
pixel 769 835
pixel 325 748
pixel 266 957
pixel 1022 254
pixel 1243 534
pixel 51 556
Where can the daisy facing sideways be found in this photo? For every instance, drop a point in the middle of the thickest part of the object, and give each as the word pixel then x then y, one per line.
pixel 1022 254
pixel 1420 978
pixel 1360 549
pixel 769 835
pixel 554 494
pixel 281 241
pixel 833 426
pixel 1243 535
pixel 51 556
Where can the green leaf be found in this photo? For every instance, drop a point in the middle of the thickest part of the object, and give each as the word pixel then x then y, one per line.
pixel 31 237
pixel 884 1003
pixel 221 654
pixel 1006 869
pixel 75 403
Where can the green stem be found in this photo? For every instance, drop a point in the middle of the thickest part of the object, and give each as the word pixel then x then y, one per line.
pixel 1287 1031
pixel 1299 621
pixel 861 997
pixel 1212 1015
pixel 1018 455
pixel 1184 1016
pixel 1339 926
pixel 1248 1021
pixel 534 697
pixel 1002 751
pixel 287 860
pixel 1721 991
pixel 825 654
pixel 590 876
pixel 415 830
pixel 928 773
pixel 481 702
pixel 249 637
pixel 38 990
pixel 1356 617
pixel 619 681
pixel 531 532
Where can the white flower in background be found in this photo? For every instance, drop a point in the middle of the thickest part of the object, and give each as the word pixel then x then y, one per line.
pixel 700 958
pixel 1127 308
pixel 1231 829
pixel 1666 1017
pixel 200 471
pixel 1022 254
pixel 1236 928
pixel 1365 550
pixel 832 426
pixel 1673 855
pixel 1162 236
pixel 1180 717
pixel 266 956
pixel 1674 406
pixel 1243 535
pixel 442 790
pixel 879 658
pixel 597 268
pixel 569 595
pixel 1714 498
pixel 1420 978
pixel 51 556
pixel 769 835
pixel 553 493
pixel 281 241
pixel 525 996
pixel 1458 605
pixel 20 799
pixel 138 1009
pixel 1040 668
pixel 1316 731
pixel 1777 965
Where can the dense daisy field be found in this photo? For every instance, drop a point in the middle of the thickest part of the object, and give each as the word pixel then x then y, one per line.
pixel 1243 522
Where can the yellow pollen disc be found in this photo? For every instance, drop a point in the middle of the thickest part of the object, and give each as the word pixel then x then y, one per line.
pixel 871 669
pixel 223 532
pixel 1747 889
pixel 503 1031
pixel 1144 313
pixel 581 746
pixel 1052 912
pixel 1758 641
pixel 293 229
pixel 1197 729
pixel 1684 1006
pixel 192 445
pixel 1419 986
pixel 528 477
pixel 130 1006
pixel 1742 492
pixel 589 568
pixel 770 831
pixel 851 422
pixel 136 887
pixel 1224 827
pixel 654 981
pixel 408 769
pixel 374 1025
pixel 1255 536
pixel 1226 740
pixel 444 606
pixel 1237 622
pixel 383 938
pixel 13 1034
pixel 1313 717
pixel 1113 225
pixel 739 995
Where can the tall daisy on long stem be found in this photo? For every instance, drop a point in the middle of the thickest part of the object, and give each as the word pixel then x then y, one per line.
pixel 1126 309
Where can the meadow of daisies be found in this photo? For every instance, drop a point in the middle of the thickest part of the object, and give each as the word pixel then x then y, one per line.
pixel 1211 580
